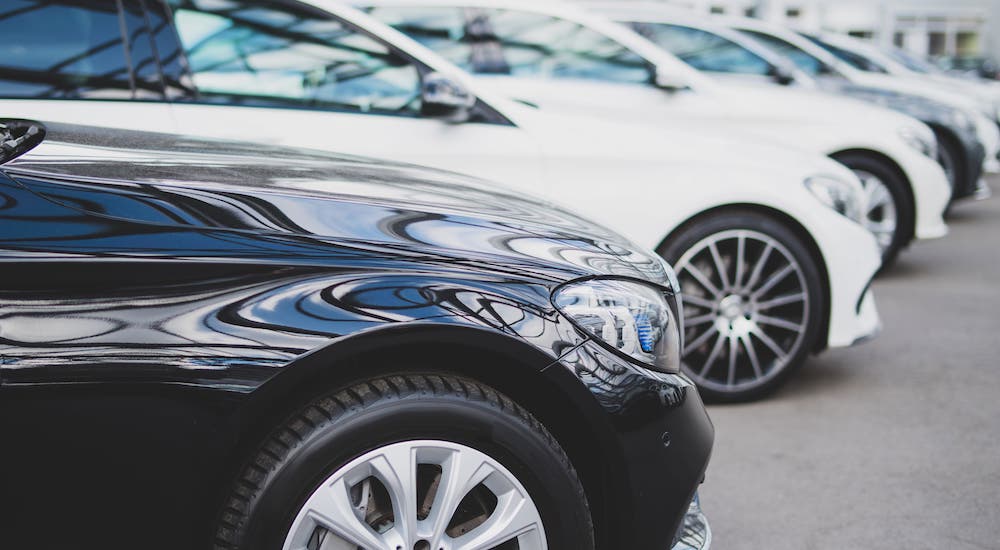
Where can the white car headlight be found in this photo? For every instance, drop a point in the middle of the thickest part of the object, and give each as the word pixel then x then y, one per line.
pixel 631 318
pixel 921 142
pixel 842 196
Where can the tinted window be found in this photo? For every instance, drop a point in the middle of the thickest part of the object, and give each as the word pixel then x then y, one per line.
pixel 518 43
pixel 173 64
pixel 802 59
pixel 257 54
pixel 62 49
pixel 145 68
pixel 703 50
pixel 911 61
pixel 539 45
pixel 855 60
pixel 441 30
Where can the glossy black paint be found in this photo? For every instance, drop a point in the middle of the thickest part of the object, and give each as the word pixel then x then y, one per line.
pixel 165 301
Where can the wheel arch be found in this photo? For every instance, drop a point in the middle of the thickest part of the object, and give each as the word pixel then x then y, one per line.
pixel 947 135
pixel 515 367
pixel 792 224
pixel 893 166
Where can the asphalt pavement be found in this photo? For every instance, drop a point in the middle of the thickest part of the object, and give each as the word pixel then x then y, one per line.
pixel 894 444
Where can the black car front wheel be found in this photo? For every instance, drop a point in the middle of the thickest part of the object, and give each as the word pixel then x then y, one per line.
pixel 752 303
pixel 409 463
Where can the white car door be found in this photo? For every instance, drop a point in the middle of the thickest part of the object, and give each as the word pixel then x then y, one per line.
pixel 283 74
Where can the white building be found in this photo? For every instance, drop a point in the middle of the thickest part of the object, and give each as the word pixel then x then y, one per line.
pixel 928 27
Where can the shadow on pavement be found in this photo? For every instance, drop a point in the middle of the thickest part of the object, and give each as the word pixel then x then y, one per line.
pixel 968 211
pixel 820 375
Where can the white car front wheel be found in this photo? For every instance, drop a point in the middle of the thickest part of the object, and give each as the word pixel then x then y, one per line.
pixel 752 303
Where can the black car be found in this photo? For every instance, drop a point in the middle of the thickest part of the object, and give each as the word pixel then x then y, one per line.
pixel 960 152
pixel 207 344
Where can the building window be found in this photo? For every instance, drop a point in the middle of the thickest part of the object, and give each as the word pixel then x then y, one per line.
pixel 864 35
pixel 967 43
pixel 937 44
pixel 793 13
pixel 750 12
pixel 899 39
pixel 718 10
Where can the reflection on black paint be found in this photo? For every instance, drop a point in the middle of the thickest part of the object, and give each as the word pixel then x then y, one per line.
pixel 230 263
pixel 152 287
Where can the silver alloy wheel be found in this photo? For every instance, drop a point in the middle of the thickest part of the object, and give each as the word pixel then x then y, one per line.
pixel 880 216
pixel 746 308
pixel 419 495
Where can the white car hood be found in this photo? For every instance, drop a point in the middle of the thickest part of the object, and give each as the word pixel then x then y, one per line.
pixel 668 149
pixel 805 119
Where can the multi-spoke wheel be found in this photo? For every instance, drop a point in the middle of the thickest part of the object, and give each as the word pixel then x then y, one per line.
pixel 879 209
pixel 419 495
pixel 409 463
pixel 888 210
pixel 752 309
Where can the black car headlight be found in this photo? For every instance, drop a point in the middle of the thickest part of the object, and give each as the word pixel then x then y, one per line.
pixel 631 318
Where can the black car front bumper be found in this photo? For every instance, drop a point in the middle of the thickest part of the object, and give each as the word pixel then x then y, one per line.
pixel 658 443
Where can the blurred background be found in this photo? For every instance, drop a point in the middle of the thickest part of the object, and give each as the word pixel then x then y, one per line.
pixel 958 35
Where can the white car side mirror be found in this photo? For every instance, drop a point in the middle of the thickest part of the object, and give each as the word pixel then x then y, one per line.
pixel 445 97
pixel 668 81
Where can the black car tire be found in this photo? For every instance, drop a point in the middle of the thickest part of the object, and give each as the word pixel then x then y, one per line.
pixel 901 196
pixel 333 430
pixel 950 158
pixel 752 225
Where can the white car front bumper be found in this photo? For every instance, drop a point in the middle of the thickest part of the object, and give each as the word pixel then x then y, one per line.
pixel 852 259
pixel 931 195
pixel 991 165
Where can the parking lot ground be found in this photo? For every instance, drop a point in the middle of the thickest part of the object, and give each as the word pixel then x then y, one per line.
pixel 891 445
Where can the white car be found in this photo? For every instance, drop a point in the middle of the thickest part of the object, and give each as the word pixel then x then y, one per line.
pixel 730 55
pixel 766 240
pixel 565 59
pixel 829 70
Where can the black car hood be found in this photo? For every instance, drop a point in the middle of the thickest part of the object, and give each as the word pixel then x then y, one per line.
pixel 167 179
pixel 921 108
